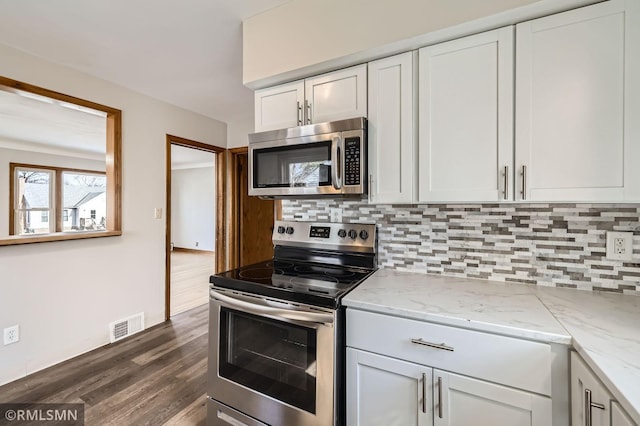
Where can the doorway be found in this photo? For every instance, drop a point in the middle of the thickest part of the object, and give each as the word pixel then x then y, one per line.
pixel 251 217
pixel 195 220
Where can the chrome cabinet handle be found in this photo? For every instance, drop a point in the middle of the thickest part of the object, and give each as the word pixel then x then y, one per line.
pixel 432 345
pixel 523 173
pixel 588 405
pixel 440 397
pixel 370 187
pixel 299 114
pixel 505 192
pixel 308 108
pixel 424 393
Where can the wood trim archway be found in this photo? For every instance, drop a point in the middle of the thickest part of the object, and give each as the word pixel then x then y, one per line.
pixel 221 220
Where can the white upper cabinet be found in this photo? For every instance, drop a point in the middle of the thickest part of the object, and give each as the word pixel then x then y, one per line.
pixel 279 107
pixel 392 129
pixel 337 95
pixel 466 118
pixel 333 96
pixel 577 106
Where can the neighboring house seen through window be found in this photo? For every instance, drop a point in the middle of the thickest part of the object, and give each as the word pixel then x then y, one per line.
pixel 51 199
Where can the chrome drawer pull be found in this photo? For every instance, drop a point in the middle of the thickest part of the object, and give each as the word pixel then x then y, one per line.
pixel 588 405
pixel 440 397
pixel 424 393
pixel 505 193
pixel 432 345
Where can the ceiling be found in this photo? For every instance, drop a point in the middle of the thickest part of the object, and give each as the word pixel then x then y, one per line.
pixel 36 123
pixel 187 53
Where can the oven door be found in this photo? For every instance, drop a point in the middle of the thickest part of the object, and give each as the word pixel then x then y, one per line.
pixel 272 360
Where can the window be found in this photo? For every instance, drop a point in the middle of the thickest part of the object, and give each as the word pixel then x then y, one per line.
pixel 33 200
pixel 78 195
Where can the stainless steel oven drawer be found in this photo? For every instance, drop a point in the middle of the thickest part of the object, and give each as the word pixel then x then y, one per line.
pixel 221 415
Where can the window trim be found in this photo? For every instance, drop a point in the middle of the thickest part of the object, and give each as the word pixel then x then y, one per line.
pixel 113 162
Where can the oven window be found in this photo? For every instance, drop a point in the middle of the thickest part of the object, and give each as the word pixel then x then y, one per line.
pixel 272 357
pixel 293 166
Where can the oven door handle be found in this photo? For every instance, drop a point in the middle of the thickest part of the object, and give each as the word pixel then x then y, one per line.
pixel 253 308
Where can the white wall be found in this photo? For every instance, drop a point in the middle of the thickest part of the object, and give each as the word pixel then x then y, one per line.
pixel 304 37
pixel 64 294
pixel 37 158
pixel 238 133
pixel 193 208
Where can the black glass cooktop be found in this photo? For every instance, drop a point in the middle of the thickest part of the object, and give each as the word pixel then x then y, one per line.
pixel 304 282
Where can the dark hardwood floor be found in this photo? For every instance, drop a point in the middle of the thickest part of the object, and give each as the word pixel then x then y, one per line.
pixel 155 377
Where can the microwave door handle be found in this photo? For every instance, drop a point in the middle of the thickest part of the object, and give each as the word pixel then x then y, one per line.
pixel 336 163
pixel 253 308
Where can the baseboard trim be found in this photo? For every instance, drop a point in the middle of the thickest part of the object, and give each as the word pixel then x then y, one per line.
pixel 189 250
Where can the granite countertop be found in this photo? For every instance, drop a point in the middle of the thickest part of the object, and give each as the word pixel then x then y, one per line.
pixel 603 328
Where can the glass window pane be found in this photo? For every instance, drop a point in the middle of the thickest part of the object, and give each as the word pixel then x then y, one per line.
pixel 85 201
pixel 33 189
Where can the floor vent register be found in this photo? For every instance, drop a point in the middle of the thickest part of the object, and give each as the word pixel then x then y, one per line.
pixel 126 327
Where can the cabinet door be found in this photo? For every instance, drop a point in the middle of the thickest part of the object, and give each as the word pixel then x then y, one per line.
pixel 392 133
pixel 576 133
pixel 466 118
pixel 586 387
pixel 337 95
pixel 385 391
pixel 463 401
pixel 619 417
pixel 279 107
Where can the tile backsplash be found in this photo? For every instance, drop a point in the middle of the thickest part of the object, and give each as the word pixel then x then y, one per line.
pixel 562 245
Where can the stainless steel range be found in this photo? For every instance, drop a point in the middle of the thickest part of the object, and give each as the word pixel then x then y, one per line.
pixel 276 328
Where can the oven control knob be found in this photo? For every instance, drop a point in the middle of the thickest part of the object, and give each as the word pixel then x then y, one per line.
pixel 342 233
pixel 289 230
pixel 280 229
pixel 353 234
pixel 364 234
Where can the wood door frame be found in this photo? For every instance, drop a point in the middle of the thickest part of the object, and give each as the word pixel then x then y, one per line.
pixel 221 184
pixel 233 220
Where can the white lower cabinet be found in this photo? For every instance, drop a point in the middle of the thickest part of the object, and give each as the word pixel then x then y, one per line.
pixel 385 391
pixel 407 372
pixel 463 401
pixel 591 403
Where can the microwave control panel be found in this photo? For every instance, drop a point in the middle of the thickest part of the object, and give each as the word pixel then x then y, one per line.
pixel 352 161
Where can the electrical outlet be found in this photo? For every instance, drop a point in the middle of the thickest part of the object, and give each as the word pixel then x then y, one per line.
pixel 197 243
pixel 157 213
pixel 620 245
pixel 336 214
pixel 11 334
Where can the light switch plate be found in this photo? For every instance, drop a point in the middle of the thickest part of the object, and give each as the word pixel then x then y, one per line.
pixel 620 246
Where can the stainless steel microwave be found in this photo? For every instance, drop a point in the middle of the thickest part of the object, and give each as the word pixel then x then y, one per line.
pixel 313 161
